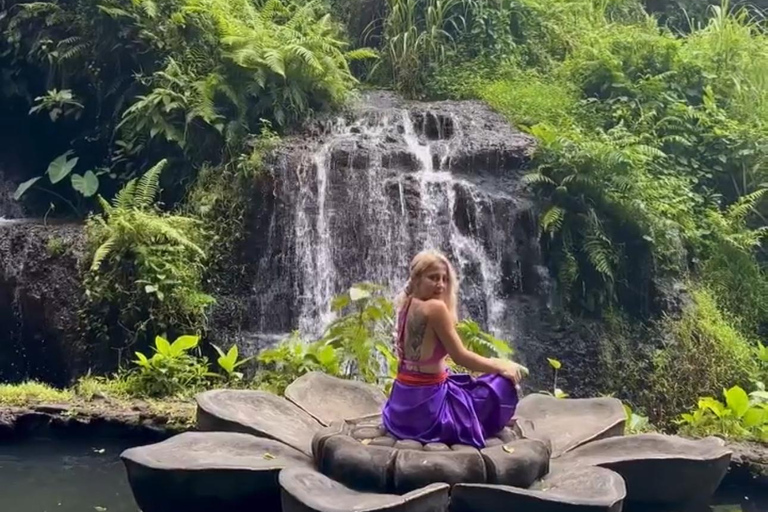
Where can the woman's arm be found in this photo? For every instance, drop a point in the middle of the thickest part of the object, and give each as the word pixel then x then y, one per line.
pixel 441 321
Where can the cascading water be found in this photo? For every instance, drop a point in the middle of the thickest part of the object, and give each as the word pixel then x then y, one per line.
pixel 359 203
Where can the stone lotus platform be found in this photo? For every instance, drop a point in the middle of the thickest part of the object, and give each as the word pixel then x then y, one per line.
pixel 326 443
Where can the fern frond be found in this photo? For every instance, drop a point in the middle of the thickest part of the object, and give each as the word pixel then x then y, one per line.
pixel 537 178
pixel 739 210
pixel 552 220
pixel 149 185
pixel 125 198
pixel 102 252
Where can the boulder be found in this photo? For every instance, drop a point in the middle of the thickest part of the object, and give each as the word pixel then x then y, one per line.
pixel 306 490
pixel 582 489
pixel 569 423
pixel 256 412
pixel 205 471
pixel 328 398
pixel 658 468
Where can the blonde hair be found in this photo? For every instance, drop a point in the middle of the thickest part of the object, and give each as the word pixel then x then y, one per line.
pixel 419 264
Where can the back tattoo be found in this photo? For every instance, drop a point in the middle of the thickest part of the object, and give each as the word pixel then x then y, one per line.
pixel 414 334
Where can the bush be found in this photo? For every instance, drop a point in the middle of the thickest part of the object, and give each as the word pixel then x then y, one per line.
pixel 704 355
pixel 145 276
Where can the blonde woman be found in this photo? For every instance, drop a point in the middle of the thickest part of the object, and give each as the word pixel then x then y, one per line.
pixel 428 403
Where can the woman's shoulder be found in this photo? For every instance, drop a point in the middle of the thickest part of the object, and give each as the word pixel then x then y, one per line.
pixel 431 307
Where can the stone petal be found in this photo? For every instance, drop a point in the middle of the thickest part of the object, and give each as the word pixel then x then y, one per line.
pixel 659 468
pixel 570 422
pixel 329 399
pixel 568 489
pixel 256 412
pixel 204 471
pixel 306 490
pixel 519 463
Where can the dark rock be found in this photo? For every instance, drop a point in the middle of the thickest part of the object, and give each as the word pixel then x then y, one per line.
pixel 518 463
pixel 749 464
pixel 40 292
pixel 683 471
pixel 416 469
pixel 408 444
pixel 205 471
pixel 383 441
pixel 583 489
pixel 328 398
pixel 361 467
pixel 367 433
pixel 436 447
pixel 256 412
pixel 507 435
pixel 322 435
pixel 569 423
pixel 51 408
pixel 305 490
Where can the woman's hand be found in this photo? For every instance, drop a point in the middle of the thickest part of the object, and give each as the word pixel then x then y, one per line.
pixel 511 370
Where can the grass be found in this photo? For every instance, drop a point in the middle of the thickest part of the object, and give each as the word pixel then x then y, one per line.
pixel 99 396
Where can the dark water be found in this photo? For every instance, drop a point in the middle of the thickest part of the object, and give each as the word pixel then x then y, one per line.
pixel 78 475
pixel 53 475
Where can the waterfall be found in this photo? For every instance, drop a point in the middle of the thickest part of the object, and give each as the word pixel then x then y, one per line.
pixel 358 203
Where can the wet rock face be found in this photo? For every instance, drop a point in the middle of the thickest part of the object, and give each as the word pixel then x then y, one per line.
pixel 39 296
pixel 359 198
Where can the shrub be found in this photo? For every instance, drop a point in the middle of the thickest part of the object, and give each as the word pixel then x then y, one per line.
pixel 704 355
pixel 145 276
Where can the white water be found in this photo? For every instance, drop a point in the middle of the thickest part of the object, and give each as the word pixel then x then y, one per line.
pixel 371 235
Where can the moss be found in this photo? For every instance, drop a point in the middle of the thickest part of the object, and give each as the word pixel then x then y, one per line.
pixel 704 354
pixel 100 397
pixel 17 395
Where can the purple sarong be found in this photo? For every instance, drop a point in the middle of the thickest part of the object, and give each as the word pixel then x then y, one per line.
pixel 460 410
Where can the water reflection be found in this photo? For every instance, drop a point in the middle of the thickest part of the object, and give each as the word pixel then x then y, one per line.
pixel 50 475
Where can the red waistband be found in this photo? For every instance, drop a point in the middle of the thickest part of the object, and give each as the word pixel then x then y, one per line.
pixel 421 379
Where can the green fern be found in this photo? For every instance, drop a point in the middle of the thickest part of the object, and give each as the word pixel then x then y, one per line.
pixel 148 186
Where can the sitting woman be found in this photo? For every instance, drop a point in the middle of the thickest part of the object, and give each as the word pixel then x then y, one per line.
pixel 427 403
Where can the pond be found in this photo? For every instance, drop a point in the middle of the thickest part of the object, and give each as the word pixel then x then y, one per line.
pixel 81 475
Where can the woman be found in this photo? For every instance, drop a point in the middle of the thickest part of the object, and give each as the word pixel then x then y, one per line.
pixel 427 403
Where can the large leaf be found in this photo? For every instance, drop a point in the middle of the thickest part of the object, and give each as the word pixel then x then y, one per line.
pixel 24 187
pixel 162 345
pixel 184 343
pixel 737 400
pixel 755 416
pixel 61 166
pixel 87 184
pixel 356 293
pixel 713 405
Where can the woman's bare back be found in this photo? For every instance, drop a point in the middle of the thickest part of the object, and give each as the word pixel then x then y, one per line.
pixel 420 341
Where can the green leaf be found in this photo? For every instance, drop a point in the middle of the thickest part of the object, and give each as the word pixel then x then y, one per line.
pixel 87 184
pixel 554 363
pixel 709 403
pixel 754 417
pixel 61 166
pixel 24 187
pixel 163 347
pixel 356 294
pixel 184 343
pixel 737 400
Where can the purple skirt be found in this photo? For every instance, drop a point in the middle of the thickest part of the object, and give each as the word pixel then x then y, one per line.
pixel 460 410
